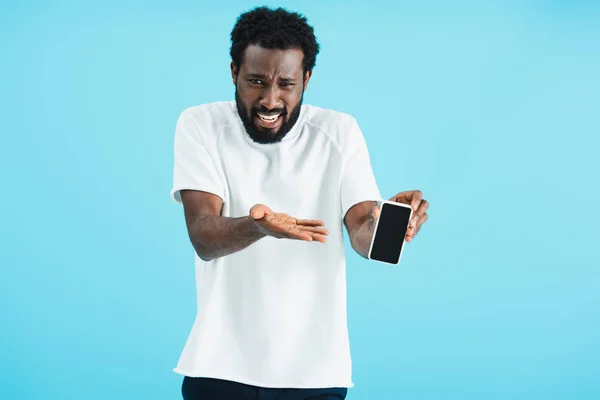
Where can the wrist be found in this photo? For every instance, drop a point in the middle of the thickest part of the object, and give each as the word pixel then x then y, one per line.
pixel 255 228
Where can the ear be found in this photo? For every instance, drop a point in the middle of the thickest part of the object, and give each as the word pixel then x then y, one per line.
pixel 234 72
pixel 307 76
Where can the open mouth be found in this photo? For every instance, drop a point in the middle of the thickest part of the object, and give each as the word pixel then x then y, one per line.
pixel 268 120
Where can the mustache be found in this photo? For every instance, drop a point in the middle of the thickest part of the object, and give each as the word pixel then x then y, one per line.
pixel 267 112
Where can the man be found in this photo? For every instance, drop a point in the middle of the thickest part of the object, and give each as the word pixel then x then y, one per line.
pixel 267 184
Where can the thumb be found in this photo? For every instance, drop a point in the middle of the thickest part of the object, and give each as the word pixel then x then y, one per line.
pixel 376 212
pixel 259 211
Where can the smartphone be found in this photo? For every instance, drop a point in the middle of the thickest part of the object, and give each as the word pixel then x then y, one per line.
pixel 390 232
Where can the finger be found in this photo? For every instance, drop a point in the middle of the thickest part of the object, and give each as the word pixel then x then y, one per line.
pixel 319 238
pixel 422 220
pixel 423 207
pixel 309 222
pixel 414 221
pixel 411 233
pixel 258 211
pixel 298 235
pixel 403 197
pixel 376 212
pixel 311 230
pixel 417 196
pixel 308 234
pixel 413 230
pixel 314 229
pixel 292 232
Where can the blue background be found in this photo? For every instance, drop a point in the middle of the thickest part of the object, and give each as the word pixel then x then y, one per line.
pixel 493 110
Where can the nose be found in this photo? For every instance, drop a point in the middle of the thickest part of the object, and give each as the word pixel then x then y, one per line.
pixel 270 98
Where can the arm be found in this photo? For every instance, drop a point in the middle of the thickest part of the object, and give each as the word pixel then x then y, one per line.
pixel 360 219
pixel 360 223
pixel 212 235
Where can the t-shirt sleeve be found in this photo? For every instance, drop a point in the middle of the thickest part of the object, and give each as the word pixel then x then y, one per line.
pixel 194 168
pixel 358 181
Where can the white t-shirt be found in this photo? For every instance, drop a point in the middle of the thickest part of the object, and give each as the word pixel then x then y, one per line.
pixel 273 314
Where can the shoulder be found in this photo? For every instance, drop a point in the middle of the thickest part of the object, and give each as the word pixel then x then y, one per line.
pixel 328 120
pixel 210 117
pixel 340 127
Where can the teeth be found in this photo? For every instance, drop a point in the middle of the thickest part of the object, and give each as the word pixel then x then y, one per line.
pixel 267 118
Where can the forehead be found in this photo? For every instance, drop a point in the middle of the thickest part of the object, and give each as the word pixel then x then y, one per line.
pixel 259 60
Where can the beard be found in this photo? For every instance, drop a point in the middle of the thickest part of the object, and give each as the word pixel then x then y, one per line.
pixel 264 135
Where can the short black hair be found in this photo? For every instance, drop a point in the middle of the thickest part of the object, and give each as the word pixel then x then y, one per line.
pixel 274 29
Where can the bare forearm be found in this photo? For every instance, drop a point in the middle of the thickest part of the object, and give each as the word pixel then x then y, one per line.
pixel 216 236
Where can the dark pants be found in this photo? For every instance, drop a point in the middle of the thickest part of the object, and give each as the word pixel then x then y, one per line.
pixel 217 389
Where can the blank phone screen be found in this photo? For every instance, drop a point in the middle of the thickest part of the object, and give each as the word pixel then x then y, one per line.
pixel 390 234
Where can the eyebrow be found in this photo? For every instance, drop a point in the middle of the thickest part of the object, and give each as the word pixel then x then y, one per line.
pixel 264 77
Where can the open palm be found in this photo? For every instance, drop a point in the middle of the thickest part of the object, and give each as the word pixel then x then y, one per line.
pixel 281 225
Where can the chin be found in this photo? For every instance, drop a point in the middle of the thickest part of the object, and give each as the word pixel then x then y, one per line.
pixel 267 131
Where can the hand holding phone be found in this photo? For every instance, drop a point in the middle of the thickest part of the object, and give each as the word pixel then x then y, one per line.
pixel 390 232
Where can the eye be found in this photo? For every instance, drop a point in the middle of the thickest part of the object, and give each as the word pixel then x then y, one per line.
pixel 255 81
pixel 286 84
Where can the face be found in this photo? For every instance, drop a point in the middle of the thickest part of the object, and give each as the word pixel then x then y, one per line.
pixel 269 86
